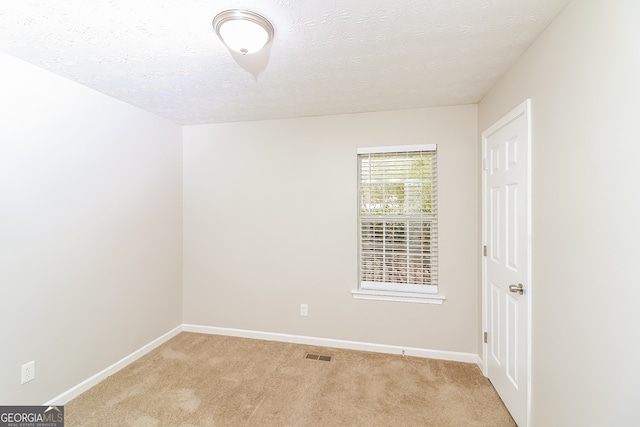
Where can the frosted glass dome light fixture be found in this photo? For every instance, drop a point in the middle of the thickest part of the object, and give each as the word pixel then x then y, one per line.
pixel 243 31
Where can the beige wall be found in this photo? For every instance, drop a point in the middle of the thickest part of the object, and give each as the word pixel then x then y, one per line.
pixel 583 75
pixel 270 222
pixel 90 231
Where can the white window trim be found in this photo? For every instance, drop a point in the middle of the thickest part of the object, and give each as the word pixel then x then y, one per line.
pixel 420 298
pixel 428 294
pixel 397 148
pixel 396 287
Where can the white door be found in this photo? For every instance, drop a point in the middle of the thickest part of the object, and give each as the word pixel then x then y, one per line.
pixel 506 264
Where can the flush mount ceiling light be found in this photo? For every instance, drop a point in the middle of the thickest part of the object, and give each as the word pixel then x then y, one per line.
pixel 243 31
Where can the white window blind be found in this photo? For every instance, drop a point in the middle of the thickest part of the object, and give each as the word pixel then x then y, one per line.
pixel 398 219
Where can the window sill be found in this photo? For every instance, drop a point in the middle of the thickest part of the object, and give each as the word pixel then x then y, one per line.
pixel 398 296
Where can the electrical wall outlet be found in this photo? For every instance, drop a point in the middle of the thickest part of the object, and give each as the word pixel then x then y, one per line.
pixel 304 310
pixel 28 372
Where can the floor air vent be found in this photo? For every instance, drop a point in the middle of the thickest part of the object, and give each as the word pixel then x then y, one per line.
pixel 318 357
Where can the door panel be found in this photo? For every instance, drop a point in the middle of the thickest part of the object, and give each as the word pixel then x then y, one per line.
pixel 495 241
pixel 495 325
pixel 512 342
pixel 511 238
pixel 506 232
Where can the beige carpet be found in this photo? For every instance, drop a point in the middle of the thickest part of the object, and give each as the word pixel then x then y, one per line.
pixel 209 380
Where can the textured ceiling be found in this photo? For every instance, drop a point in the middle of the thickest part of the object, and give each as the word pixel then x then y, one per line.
pixel 327 57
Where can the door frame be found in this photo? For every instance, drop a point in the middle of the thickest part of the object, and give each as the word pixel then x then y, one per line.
pixel 523 108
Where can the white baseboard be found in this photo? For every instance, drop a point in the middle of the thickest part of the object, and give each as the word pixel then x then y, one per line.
pixel 95 379
pixel 325 342
pixel 480 363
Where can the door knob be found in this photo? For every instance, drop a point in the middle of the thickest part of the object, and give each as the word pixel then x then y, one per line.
pixel 519 288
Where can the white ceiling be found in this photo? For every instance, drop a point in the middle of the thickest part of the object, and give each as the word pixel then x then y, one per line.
pixel 327 57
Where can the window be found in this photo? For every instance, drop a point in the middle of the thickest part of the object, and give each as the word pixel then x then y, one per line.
pixel 398 223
